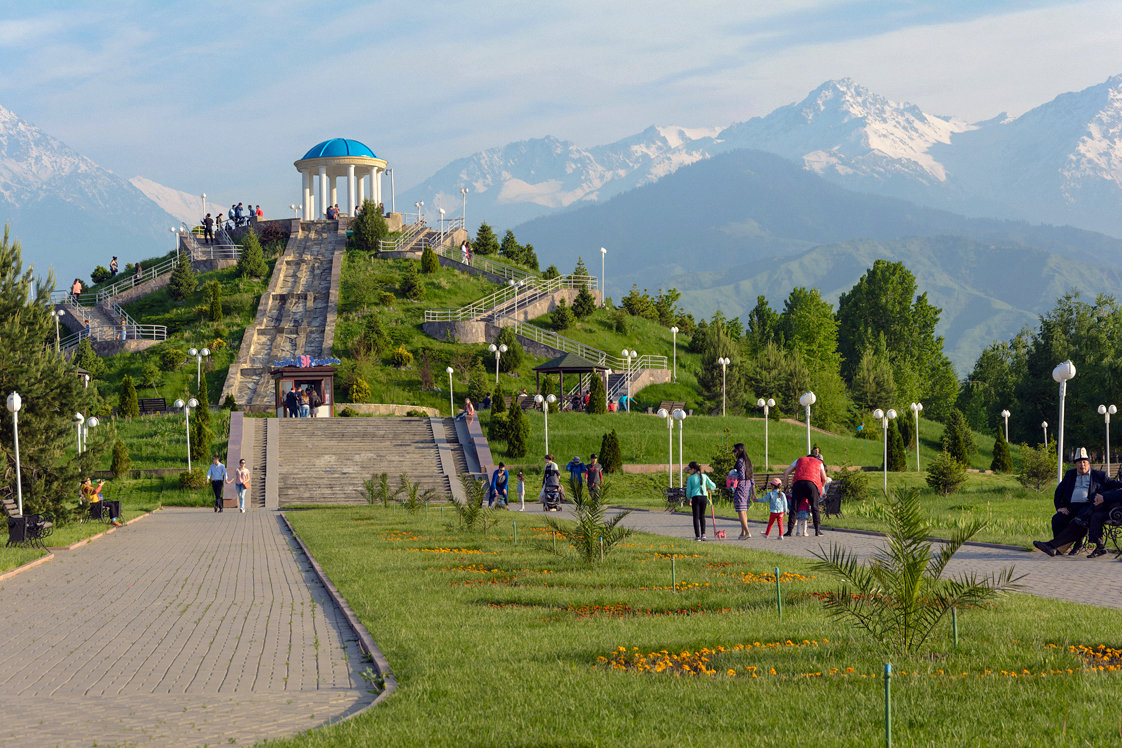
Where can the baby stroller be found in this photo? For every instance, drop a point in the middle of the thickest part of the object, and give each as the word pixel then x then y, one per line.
pixel 552 496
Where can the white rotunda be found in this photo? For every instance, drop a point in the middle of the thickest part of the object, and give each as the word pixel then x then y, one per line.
pixel 331 160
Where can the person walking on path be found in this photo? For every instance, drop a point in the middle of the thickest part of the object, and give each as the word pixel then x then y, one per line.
pixel 76 289
pixel 698 486
pixel 576 474
pixel 500 480
pixel 521 492
pixel 808 475
pixel 595 472
pixel 777 507
pixel 216 474
pixel 745 488
pixel 113 267
pixel 241 483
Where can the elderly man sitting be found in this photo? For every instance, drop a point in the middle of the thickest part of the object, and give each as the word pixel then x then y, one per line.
pixel 1076 498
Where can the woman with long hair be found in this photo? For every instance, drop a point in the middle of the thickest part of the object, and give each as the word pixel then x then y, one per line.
pixel 745 488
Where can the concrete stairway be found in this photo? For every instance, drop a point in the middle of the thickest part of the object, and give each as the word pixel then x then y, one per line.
pixel 326 460
pixel 295 316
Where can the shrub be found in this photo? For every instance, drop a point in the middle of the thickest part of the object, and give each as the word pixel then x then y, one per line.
pixel 212 292
pixel 517 432
pixel 217 344
pixel 170 357
pixel 100 274
pixel 128 405
pixel 415 413
pixel 1002 461
pixel 385 298
pixel 478 385
pixel 957 438
pixel 562 317
pixel 183 282
pixel 411 286
pixel 121 463
pixel 429 262
pixel 373 337
pixel 621 321
pixel 852 485
pixel 251 263
pixel 348 412
pixel 610 456
pixel 946 474
pixel 194 478
pixel 230 403
pixel 497 427
pixel 597 397
pixel 401 358
pixel 1038 466
pixel 360 391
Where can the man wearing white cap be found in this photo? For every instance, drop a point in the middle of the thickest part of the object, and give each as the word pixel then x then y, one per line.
pixel 1075 499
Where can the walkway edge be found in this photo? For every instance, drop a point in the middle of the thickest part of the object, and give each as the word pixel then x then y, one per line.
pixel 101 534
pixel 366 641
pixel 29 565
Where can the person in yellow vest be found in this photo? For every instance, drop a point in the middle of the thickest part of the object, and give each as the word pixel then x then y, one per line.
pixel 91 494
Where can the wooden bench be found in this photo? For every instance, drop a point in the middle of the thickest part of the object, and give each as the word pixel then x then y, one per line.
pixel 675 498
pixel 670 406
pixel 152 405
pixel 27 529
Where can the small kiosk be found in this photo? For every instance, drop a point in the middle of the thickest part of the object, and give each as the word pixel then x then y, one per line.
pixel 314 376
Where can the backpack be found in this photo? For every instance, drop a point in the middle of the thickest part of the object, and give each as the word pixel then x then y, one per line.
pixel 732 480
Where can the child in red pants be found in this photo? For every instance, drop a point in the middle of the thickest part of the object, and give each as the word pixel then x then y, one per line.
pixel 777 507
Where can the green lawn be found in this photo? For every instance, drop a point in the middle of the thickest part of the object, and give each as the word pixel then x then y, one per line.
pixel 497 644
pixel 159 440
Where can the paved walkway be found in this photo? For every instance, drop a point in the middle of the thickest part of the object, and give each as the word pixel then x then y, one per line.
pixel 1077 579
pixel 184 629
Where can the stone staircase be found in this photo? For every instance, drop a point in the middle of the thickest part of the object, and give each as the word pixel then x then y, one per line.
pixel 326 460
pixel 295 316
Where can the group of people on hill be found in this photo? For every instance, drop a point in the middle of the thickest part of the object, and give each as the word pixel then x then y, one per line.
pixel 1084 499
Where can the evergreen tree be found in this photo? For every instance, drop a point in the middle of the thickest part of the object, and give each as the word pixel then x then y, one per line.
pixel 213 294
pixel 121 463
pixel 897 456
pixel 904 423
pixel 182 283
pixel 203 412
pixel 580 268
pixel 497 426
pixel 498 400
pixel 515 354
pixel 478 385
pixel 369 228
pixel 201 437
pixel 957 439
pixel 946 474
pixel 1038 465
pixel 763 326
pixel 517 432
pixel 1002 460
pixel 128 405
pixel 251 263
pixel 85 358
pixel 373 337
pixel 529 256
pixel 49 389
pixel 485 242
pixel 610 456
pixel 562 316
pixel 585 303
pixel 429 261
pixel 510 248
pixel 411 286
pixel 597 396
pixel 550 273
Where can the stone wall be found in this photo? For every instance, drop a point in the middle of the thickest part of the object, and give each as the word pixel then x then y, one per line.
pixel 384 409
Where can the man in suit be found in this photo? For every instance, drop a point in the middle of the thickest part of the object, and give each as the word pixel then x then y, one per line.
pixel 1076 498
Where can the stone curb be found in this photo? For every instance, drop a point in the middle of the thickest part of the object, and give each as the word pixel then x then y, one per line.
pixel 366 641
pixel 29 565
pixel 101 534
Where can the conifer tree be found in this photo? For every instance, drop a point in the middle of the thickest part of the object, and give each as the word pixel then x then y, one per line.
pixel 610 456
pixel 429 261
pixel 251 263
pixel 597 397
pixel 128 405
pixel 121 463
pixel 550 272
pixel 498 400
pixel 957 439
pixel 203 412
pixel 515 354
pixel 201 436
pixel 517 432
pixel 213 294
pixel 562 316
pixel 485 242
pixel 1002 460
pixel 411 286
pixel 183 282
pixel 510 248
pixel 369 228
pixel 580 268
pixel 497 426
pixel 585 304
pixel 897 457
pixel 86 358
pixel 529 256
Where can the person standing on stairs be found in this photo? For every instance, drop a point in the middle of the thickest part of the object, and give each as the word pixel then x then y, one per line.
pixel 314 401
pixel 292 403
pixel 113 267
pixel 208 229
pixel 216 474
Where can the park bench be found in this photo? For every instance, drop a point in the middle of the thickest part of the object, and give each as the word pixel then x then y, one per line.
pixel 26 529
pixel 1112 530
pixel 152 405
pixel 670 406
pixel 675 498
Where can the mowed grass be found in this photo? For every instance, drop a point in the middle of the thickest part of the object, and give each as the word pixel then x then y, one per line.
pixel 497 644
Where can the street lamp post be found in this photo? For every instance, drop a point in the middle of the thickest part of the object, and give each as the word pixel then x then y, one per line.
pixel 674 332
pixel 418 205
pixel 916 409
pixel 292 207
pixel 517 286
pixel 1044 425
pixel 464 212
pixel 724 362
pixel 767 405
pixel 175 232
pixel 451 406
pixel 204 203
pixel 57 314
pixel 664 413
pixel 680 417
pixel 883 416
pixel 441 226
pixel 199 356
pixel 627 375
pixel 79 419
pixel 1106 412
pixel 544 403
pixel 603 281
pixel 498 350
pixel 14 404
pixel 192 403
pixel 1005 415
pixel 806 400
pixel 1062 373
pixel 91 422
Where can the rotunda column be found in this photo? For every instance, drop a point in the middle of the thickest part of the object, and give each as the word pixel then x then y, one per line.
pixel 334 191
pixel 307 183
pixel 361 190
pixel 350 189
pixel 322 192
pixel 375 185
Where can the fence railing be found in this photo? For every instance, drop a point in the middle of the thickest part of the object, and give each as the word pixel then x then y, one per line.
pixel 595 355
pixel 131 281
pixel 505 298
pixel 486 264
pixel 408 235
pixel 105 333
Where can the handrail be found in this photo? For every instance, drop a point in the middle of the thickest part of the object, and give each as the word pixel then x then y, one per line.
pixel 146 274
pixel 497 301
pixel 405 239
pixel 486 264
pixel 595 355
pixel 104 333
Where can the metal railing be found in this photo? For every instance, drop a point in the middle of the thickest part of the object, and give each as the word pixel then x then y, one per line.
pixel 408 235
pixel 486 264
pixel 132 281
pixel 105 333
pixel 595 355
pixel 498 302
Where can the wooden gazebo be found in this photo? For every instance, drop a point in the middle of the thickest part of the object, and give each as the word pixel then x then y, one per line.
pixel 570 363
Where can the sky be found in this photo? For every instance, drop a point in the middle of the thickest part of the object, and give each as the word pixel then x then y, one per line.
pixel 223 97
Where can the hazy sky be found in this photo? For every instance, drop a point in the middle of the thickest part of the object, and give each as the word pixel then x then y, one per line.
pixel 224 97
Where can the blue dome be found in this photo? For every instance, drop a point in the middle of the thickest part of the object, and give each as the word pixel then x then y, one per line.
pixel 339 147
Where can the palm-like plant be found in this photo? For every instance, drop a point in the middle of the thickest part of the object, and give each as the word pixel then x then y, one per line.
pixel 472 512
pixel 379 490
pixel 590 529
pixel 415 500
pixel 901 595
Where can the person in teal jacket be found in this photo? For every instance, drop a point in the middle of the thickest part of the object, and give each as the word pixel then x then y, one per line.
pixel 698 487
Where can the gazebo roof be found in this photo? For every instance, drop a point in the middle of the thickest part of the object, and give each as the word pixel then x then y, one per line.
pixel 570 362
pixel 339 147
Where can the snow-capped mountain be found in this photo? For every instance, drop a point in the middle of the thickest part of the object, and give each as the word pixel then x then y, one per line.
pixel 182 205
pixel 68 213
pixel 1059 163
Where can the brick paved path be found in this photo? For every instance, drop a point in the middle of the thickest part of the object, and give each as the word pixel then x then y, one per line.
pixel 184 629
pixel 1077 579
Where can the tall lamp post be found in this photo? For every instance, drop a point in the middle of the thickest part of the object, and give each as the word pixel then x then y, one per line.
pixel 883 417
pixel 451 406
pixel 79 419
pixel 1062 373
pixel 603 280
pixel 441 226
pixel 1106 411
pixel 192 403
pixel 418 205
pixel 674 333
pixel 517 286
pixel 627 375
pixel 14 404
pixel 544 403
pixel 175 232
pixel 916 409
pixel 1005 415
pixel 767 405
pixel 1044 425
pixel 292 207
pixel 57 314
pixel 464 213
pixel 204 203
pixel 498 350
pixel 680 417
pixel 199 356
pixel 91 423
pixel 806 400
pixel 664 413
pixel 724 362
